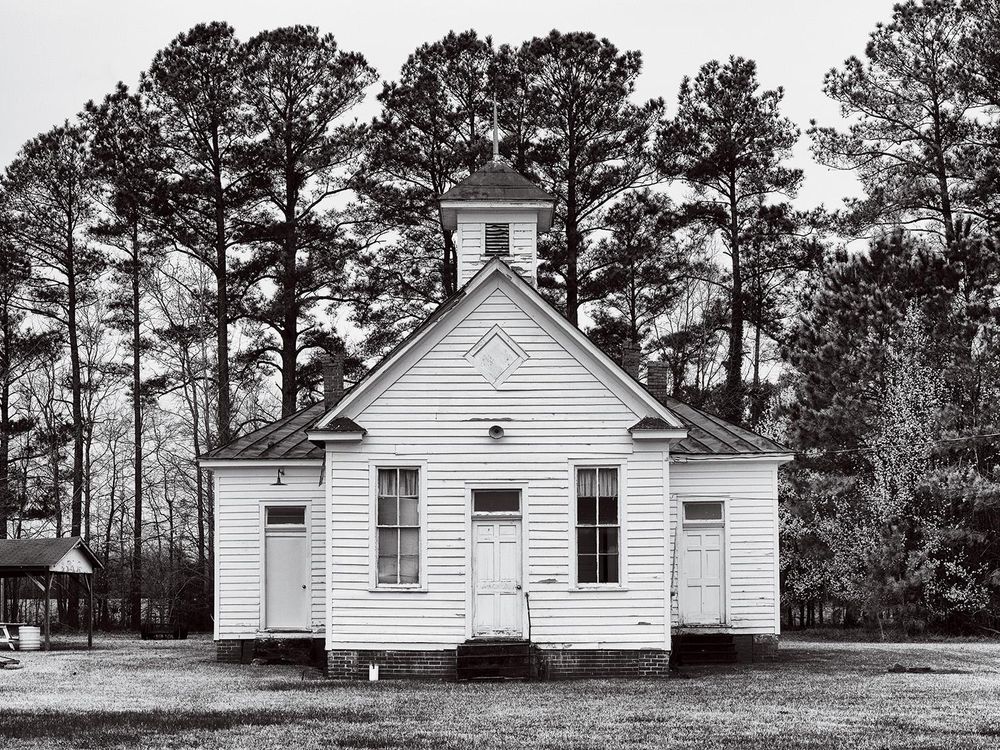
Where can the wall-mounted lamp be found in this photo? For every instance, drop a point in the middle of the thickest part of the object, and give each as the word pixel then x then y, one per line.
pixel 277 481
pixel 496 432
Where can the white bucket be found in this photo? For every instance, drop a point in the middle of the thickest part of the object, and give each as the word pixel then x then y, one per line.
pixel 29 638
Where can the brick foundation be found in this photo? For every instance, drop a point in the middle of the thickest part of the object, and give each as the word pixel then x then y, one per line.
pixel 554 664
pixel 229 652
pixel 765 647
pixel 353 665
pixel 560 664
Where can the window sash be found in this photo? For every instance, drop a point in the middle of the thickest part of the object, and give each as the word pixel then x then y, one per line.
pixel 397 523
pixel 598 525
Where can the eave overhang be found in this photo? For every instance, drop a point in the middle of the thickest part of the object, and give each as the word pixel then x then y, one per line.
pixel 659 434
pixel 543 210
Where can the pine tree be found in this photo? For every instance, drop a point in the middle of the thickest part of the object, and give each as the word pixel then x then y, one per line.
pixel 193 93
pixel 592 145
pixel 432 132
pixel 127 164
pixel 51 191
pixel 729 142
pixel 910 122
pixel 640 269
pixel 299 86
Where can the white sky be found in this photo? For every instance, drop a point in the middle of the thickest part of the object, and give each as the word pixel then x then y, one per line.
pixel 57 54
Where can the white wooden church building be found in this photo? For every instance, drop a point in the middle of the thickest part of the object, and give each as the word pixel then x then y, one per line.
pixel 498 495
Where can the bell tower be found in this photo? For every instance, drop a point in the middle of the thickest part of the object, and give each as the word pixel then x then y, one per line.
pixel 496 212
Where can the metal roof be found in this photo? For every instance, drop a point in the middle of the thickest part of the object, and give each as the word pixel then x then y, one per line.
pixel 284 439
pixel 713 435
pixel 28 555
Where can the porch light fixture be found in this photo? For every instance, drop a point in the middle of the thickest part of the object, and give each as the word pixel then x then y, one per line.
pixel 277 481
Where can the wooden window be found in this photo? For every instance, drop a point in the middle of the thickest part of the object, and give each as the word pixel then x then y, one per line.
pixel 398 524
pixel 705 512
pixel 597 525
pixel 496 501
pixel 280 515
pixel 498 239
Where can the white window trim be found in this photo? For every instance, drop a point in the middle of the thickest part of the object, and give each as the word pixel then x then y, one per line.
pixel 726 561
pixel 263 505
pixel 604 463
pixel 373 585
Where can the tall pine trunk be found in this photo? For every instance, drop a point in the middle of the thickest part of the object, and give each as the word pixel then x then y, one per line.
pixel 732 403
pixel 76 384
pixel 290 313
pixel 135 594
pixel 7 334
pixel 224 423
pixel 572 245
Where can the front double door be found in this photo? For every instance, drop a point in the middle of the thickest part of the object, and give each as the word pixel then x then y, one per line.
pixel 498 599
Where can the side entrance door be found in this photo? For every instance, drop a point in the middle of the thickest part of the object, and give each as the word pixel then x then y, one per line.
pixel 703 589
pixel 286 568
pixel 496 566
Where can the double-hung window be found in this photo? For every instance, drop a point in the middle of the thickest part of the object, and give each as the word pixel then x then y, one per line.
pixel 598 529
pixel 398 523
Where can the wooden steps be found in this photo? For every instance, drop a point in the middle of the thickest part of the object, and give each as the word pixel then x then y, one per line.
pixel 691 649
pixel 494 660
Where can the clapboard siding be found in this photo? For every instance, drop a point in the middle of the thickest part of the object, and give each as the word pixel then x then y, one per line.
pixel 240 495
pixel 471 243
pixel 554 411
pixel 750 489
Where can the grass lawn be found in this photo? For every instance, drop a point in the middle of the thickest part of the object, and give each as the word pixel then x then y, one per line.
pixel 818 695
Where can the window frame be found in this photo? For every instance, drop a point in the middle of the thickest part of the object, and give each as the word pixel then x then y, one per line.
pixel 373 527
pixel 574 573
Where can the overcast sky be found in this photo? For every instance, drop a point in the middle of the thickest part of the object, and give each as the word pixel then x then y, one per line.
pixel 57 54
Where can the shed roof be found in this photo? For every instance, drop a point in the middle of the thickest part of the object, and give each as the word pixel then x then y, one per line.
pixel 712 435
pixel 284 439
pixel 27 555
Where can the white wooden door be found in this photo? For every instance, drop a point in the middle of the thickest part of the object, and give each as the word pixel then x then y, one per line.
pixel 496 566
pixel 702 598
pixel 286 579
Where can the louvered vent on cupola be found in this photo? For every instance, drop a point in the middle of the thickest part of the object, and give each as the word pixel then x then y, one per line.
pixel 498 239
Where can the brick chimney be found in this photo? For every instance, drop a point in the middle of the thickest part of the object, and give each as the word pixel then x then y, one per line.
pixel 333 379
pixel 658 379
pixel 631 359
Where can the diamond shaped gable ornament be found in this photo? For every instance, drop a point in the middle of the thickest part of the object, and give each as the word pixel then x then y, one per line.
pixel 496 356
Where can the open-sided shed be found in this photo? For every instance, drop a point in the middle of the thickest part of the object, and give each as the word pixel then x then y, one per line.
pixel 39 560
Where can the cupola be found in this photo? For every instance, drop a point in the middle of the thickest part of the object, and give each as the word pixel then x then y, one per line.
pixel 496 212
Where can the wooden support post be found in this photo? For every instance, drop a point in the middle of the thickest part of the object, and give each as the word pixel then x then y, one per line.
pixel 48 618
pixel 90 610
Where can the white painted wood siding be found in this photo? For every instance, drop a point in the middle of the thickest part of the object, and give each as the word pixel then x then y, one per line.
pixel 470 241
pixel 240 496
pixel 750 490
pixel 553 410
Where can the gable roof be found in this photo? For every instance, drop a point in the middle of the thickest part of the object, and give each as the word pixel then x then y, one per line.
pixel 495 274
pixel 707 434
pixel 41 554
